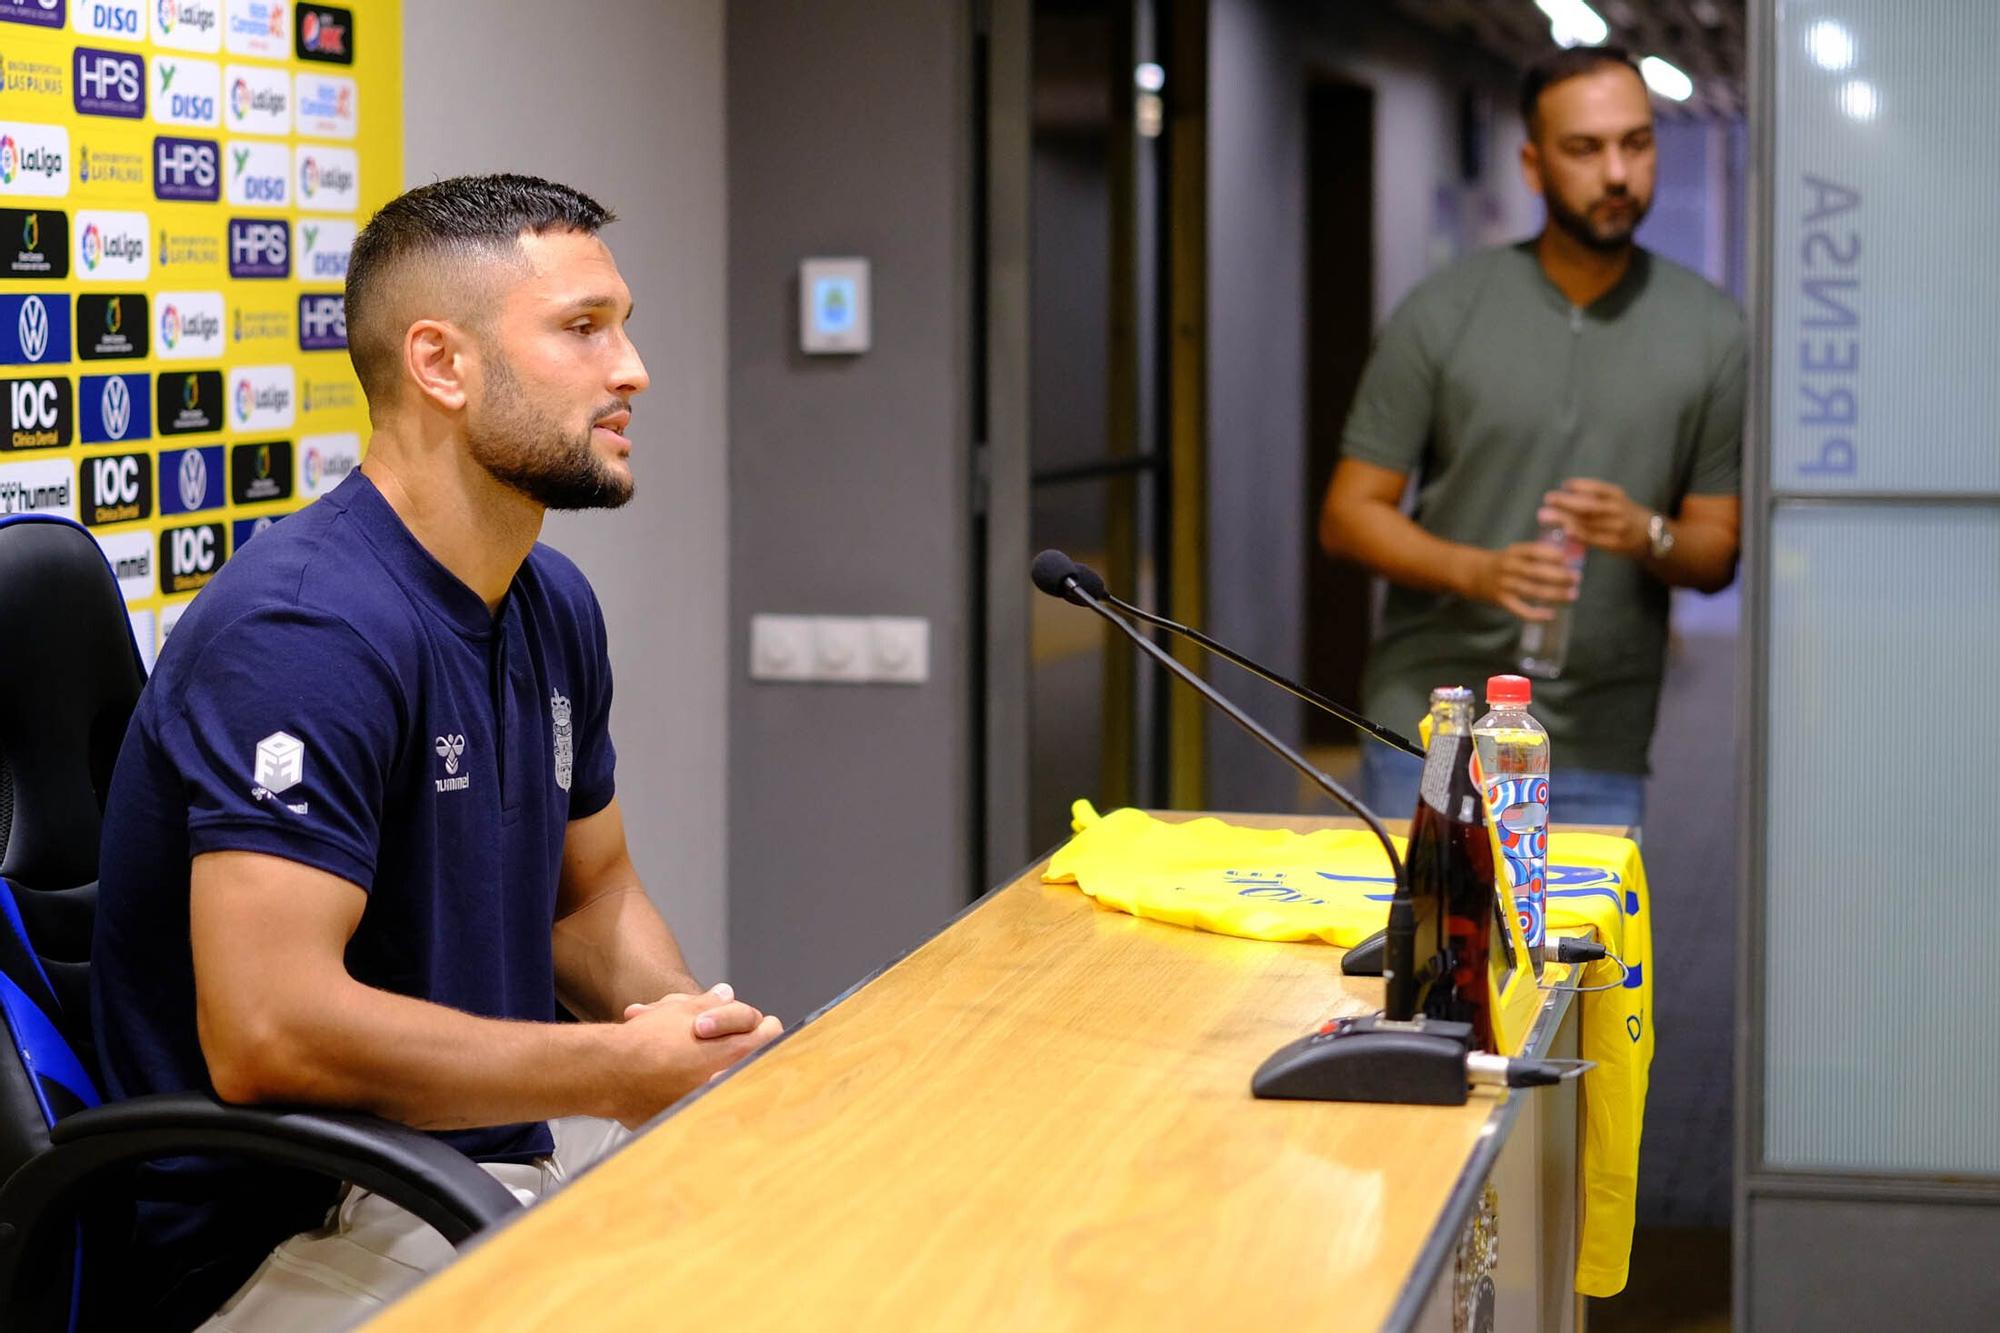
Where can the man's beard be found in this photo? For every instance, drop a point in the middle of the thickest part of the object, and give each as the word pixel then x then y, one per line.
pixel 1580 228
pixel 527 450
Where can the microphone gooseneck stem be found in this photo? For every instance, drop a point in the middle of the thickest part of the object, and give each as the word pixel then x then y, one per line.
pixel 1255 728
pixel 1313 697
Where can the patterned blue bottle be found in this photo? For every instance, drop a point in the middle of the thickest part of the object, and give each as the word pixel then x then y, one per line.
pixel 1514 756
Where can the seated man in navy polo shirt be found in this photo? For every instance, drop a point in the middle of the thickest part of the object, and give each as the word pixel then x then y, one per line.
pixel 362 834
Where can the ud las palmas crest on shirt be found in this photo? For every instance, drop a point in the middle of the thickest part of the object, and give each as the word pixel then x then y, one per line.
pixel 565 746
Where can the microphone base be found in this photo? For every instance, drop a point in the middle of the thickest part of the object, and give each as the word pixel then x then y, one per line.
pixel 1366 959
pixel 1372 1059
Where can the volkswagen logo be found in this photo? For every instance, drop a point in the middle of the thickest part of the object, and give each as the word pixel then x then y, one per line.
pixel 33 327
pixel 194 480
pixel 117 403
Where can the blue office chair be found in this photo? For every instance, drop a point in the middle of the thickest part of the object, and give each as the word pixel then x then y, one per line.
pixel 69 677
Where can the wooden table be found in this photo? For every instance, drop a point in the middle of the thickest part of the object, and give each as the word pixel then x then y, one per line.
pixel 1041 1119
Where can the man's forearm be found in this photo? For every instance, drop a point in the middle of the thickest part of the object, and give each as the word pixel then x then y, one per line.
pixel 1703 558
pixel 614 951
pixel 1392 544
pixel 424 1064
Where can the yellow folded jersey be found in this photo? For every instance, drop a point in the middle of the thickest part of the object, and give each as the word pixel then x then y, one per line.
pixel 1335 885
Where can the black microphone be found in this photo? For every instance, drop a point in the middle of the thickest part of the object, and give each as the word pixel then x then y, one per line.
pixel 1400 1056
pixel 1055 564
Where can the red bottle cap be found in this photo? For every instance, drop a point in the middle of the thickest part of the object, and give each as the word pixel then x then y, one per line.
pixel 1509 690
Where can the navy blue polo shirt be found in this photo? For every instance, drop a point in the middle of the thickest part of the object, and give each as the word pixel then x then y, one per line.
pixel 338 698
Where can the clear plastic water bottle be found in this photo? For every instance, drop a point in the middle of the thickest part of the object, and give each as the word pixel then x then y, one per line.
pixel 1545 643
pixel 1514 757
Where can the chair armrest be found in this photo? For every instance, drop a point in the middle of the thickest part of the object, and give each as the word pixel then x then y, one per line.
pixel 430 1179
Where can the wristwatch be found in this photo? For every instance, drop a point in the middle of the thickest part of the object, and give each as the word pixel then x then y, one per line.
pixel 1659 536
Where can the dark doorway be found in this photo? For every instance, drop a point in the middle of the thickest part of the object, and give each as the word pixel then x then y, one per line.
pixel 1340 318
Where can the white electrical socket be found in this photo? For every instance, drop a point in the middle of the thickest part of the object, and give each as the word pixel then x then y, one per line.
pixel 781 648
pixel 899 649
pixel 840 649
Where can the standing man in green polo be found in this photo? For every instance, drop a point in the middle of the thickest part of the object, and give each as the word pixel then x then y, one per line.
pixel 1572 379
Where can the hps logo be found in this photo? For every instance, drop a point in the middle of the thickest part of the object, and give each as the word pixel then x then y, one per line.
pixel 260 247
pixel 322 322
pixel 34 13
pixel 108 83
pixel 186 169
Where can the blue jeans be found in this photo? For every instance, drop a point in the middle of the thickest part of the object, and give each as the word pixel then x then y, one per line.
pixel 1576 795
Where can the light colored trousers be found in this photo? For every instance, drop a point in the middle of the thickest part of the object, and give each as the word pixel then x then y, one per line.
pixel 370 1251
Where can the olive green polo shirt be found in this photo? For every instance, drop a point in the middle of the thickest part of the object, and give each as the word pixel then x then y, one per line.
pixel 1493 389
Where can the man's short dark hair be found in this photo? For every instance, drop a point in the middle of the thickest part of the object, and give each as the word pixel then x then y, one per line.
pixel 465 216
pixel 1562 64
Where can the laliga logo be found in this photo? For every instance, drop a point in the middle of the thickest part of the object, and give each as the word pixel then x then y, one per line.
pixel 168 12
pixel 93 246
pixel 315 469
pixel 170 318
pixel 10 159
pixel 245 400
pixel 239 99
pixel 309 178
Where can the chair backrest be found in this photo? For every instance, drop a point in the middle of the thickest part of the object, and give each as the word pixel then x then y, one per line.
pixel 70 675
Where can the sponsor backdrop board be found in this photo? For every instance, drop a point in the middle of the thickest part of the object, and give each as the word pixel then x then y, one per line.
pixel 180 184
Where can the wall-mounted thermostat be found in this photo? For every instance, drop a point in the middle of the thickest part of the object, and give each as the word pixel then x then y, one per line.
pixel 833 306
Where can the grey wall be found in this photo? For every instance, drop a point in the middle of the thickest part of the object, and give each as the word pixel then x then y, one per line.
pixel 629 108
pixel 849 134
pixel 1262 54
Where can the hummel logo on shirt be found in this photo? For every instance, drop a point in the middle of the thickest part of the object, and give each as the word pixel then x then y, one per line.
pixel 449 748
